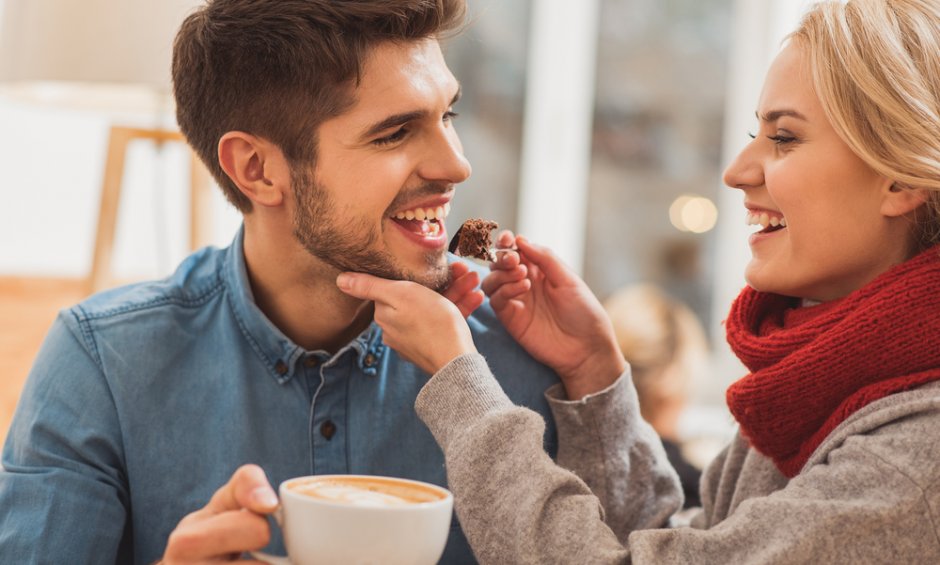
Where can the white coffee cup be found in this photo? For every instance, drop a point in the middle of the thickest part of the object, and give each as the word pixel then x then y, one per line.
pixel 362 520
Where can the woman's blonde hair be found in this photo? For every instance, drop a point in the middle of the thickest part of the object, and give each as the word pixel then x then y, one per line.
pixel 876 69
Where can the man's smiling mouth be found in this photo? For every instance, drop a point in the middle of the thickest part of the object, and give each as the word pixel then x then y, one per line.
pixel 768 222
pixel 427 222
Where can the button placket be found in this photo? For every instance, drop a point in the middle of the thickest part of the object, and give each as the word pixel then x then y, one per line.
pixel 328 429
pixel 328 414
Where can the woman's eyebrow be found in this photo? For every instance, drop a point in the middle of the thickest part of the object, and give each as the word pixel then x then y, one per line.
pixel 775 115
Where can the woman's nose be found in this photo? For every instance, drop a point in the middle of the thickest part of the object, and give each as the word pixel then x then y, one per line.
pixel 745 170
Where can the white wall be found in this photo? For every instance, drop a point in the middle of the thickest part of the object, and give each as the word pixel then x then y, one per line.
pixel 52 163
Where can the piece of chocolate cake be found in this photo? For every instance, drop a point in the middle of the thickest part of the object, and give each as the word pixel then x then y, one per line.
pixel 473 239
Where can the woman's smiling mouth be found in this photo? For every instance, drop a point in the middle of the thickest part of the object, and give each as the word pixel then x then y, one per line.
pixel 769 221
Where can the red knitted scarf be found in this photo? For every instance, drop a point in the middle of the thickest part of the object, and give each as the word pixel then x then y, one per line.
pixel 811 367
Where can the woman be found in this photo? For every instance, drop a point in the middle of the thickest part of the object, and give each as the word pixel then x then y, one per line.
pixel 836 459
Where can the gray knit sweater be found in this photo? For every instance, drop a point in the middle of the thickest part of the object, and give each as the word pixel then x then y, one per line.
pixel 869 494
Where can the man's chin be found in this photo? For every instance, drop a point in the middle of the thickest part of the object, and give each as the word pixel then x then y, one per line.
pixel 436 278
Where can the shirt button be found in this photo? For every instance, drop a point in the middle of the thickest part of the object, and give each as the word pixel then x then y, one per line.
pixel 280 367
pixel 311 362
pixel 327 429
pixel 369 360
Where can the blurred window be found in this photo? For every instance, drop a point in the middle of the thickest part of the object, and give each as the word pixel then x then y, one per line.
pixel 661 82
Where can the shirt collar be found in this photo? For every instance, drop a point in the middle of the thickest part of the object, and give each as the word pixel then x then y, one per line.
pixel 279 354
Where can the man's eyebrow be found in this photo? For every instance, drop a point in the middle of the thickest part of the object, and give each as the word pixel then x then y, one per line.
pixel 400 119
pixel 775 115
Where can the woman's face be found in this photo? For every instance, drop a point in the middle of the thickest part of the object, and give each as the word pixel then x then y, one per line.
pixel 828 223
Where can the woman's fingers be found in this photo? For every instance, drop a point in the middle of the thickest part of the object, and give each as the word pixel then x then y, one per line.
pixel 366 287
pixel 469 302
pixel 505 240
pixel 546 261
pixel 458 269
pixel 509 292
pixel 505 261
pixel 499 278
pixel 461 285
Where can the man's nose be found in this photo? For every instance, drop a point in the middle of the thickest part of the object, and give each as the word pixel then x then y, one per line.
pixel 444 160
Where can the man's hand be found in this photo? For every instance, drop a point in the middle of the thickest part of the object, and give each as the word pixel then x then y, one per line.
pixel 553 314
pixel 423 326
pixel 233 522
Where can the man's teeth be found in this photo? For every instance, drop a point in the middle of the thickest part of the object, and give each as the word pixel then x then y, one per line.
pixel 438 213
pixel 764 220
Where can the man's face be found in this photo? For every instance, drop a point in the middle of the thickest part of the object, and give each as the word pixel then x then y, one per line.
pixel 386 170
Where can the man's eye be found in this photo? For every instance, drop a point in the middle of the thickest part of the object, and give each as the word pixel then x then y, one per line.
pixel 399 134
pixel 450 115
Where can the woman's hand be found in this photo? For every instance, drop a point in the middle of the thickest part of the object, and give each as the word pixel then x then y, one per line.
pixel 423 326
pixel 553 314
pixel 462 290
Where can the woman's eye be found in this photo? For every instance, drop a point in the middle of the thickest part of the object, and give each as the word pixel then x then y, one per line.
pixel 781 139
pixel 399 134
pixel 450 115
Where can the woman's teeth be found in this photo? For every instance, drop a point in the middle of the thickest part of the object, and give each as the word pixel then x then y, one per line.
pixel 438 213
pixel 765 220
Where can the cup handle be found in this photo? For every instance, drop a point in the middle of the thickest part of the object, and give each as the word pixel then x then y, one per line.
pixel 272 559
pixel 267 557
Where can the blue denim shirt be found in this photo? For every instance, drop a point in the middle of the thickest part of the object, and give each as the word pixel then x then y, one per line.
pixel 145 399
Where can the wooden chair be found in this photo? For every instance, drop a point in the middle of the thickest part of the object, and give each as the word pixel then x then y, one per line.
pixel 120 137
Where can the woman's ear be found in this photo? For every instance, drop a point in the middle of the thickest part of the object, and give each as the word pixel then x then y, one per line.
pixel 256 166
pixel 899 200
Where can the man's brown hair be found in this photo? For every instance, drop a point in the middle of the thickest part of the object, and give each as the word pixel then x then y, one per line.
pixel 278 68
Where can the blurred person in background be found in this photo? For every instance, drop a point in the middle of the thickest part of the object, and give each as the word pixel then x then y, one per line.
pixel 665 345
pixel 836 456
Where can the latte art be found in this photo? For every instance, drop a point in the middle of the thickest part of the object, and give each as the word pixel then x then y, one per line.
pixel 349 494
pixel 366 492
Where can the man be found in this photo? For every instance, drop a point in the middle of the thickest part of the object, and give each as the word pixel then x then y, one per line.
pixel 329 125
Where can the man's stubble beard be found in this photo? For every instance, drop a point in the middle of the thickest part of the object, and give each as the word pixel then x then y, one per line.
pixel 348 246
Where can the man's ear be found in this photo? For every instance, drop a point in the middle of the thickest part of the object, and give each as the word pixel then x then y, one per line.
pixel 898 200
pixel 256 166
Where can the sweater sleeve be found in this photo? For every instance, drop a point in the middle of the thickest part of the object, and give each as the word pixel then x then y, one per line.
pixel 604 441
pixel 514 503
pixel 869 494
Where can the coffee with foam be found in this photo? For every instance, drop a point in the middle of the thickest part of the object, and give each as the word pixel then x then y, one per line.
pixel 327 519
pixel 366 491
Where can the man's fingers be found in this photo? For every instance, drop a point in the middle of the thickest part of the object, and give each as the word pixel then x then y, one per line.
pixel 248 488
pixel 230 532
